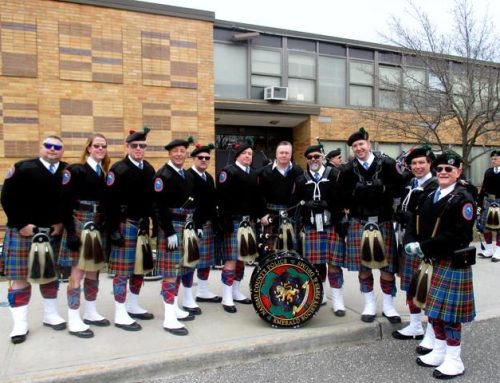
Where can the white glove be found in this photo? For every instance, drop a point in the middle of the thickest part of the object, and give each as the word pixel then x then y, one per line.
pixel 199 232
pixel 173 242
pixel 413 248
pixel 265 220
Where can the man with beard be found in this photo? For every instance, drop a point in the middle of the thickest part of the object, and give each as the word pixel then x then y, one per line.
pixel 321 244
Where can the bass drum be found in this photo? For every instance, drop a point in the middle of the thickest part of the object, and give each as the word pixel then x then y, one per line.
pixel 285 289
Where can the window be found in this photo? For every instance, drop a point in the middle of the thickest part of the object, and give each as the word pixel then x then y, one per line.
pixel 332 81
pixel 301 77
pixel 389 82
pixel 361 84
pixel 266 71
pixel 230 71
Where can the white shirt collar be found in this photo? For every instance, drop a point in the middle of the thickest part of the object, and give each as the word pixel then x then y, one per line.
pixel 320 171
pixel 370 159
pixel 93 163
pixel 47 164
pixel 175 167
pixel 282 171
pixel 197 171
pixel 136 163
pixel 444 192
pixel 422 180
pixel 242 167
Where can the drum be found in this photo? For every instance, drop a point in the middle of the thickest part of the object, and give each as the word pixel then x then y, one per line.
pixel 285 289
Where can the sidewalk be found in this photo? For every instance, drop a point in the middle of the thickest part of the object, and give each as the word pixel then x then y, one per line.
pixel 215 337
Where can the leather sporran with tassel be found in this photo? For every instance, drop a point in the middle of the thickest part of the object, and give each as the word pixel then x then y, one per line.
pixel 286 236
pixel 247 242
pixel 420 284
pixel 91 253
pixel 493 217
pixel 41 261
pixel 373 247
pixel 191 255
pixel 144 262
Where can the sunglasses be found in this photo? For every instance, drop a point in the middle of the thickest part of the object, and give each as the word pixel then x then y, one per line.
pixel 203 158
pixel 314 157
pixel 48 145
pixel 447 169
pixel 135 146
pixel 101 146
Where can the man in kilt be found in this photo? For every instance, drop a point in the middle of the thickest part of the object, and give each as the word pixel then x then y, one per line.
pixel 239 203
pixel 30 198
pixel 321 213
pixel 205 217
pixel 490 195
pixel 441 226
pixel 419 160
pixel 370 185
pixel 276 182
pixel 128 210
pixel 174 205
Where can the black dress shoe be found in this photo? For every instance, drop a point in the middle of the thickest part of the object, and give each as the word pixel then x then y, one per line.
pixel 394 319
pixel 492 260
pixel 368 318
pixel 229 309
pixel 215 299
pixel 57 327
pixel 134 326
pixel 245 301
pixel 177 331
pixel 397 335
pixel 143 316
pixel 16 339
pixel 422 364
pixel 83 334
pixel 422 350
pixel 100 323
pixel 439 375
pixel 192 310
pixel 339 313
pixel 190 317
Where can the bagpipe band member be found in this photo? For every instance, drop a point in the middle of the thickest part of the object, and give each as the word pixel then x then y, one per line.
pixel 419 160
pixel 30 197
pixel 488 202
pixel 276 182
pixel 441 231
pixel 205 218
pixel 322 244
pixel 174 208
pixel 370 184
pixel 84 240
pixel 239 205
pixel 129 196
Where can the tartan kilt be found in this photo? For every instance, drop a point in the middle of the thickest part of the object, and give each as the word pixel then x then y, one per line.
pixel 451 295
pixel 229 242
pixel 484 212
pixel 323 247
pixel 69 258
pixel 122 259
pixel 16 249
pixel 169 262
pixel 410 265
pixel 207 247
pixel 353 245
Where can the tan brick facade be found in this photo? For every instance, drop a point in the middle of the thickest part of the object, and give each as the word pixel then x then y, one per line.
pixel 70 69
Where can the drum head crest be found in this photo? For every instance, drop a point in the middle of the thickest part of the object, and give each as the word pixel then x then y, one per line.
pixel 286 290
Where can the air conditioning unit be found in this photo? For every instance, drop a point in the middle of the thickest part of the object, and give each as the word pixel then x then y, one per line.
pixel 276 93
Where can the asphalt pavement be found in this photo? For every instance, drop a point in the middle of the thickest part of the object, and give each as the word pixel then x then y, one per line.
pixel 215 338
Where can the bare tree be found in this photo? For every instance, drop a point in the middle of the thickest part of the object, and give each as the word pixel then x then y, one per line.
pixel 447 85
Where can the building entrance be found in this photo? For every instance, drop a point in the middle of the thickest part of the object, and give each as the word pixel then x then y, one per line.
pixel 264 143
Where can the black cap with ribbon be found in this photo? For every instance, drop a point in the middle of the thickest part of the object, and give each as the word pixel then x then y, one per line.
pixel 361 134
pixel 137 135
pixel 179 142
pixel 420 151
pixel 448 157
pixel 202 149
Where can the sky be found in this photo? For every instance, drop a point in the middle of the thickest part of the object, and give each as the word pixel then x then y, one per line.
pixel 364 20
